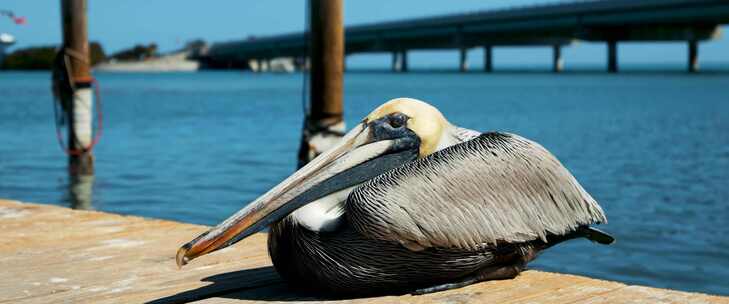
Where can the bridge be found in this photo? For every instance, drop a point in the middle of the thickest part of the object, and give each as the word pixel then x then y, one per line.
pixel 554 25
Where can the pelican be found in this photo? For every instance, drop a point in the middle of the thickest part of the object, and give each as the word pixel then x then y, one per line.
pixel 408 202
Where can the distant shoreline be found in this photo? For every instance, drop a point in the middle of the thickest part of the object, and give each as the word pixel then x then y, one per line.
pixel 187 66
pixel 177 62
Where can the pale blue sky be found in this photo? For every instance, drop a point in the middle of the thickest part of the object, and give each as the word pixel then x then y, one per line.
pixel 122 23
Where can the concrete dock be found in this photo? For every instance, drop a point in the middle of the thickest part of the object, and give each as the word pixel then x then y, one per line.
pixel 51 254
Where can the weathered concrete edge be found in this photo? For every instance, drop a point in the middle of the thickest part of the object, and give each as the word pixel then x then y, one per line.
pixel 15 204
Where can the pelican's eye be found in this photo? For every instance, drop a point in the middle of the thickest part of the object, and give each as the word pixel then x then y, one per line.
pixel 390 126
pixel 398 120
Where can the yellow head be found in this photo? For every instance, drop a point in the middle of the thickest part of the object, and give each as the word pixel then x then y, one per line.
pixel 425 120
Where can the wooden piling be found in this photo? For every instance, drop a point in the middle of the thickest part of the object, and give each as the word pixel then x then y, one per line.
pixel 327 58
pixel 324 119
pixel 76 46
pixel 80 192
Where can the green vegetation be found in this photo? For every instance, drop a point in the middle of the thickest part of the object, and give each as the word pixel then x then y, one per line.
pixel 32 58
pixel 96 52
pixel 41 58
pixel 137 53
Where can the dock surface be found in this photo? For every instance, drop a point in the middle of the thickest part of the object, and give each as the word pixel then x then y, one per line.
pixel 51 254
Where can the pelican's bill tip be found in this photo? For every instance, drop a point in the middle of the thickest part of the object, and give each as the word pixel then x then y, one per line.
pixel 181 257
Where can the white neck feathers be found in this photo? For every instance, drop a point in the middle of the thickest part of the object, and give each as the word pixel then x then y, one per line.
pixel 324 214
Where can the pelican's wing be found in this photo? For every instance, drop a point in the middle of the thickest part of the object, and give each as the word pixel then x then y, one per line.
pixel 493 188
pixel 463 134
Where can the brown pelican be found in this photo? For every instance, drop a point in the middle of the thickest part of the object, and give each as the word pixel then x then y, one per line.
pixel 408 202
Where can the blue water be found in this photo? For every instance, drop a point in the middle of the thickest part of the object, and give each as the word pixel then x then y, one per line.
pixel 652 148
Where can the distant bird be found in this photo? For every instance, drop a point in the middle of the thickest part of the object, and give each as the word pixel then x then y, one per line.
pixel 408 202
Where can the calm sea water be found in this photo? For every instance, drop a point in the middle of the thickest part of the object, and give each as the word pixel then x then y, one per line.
pixel 652 148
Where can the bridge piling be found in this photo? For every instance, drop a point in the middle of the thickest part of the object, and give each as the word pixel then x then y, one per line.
pixel 693 56
pixel 488 59
pixel 463 60
pixel 395 66
pixel 557 62
pixel 404 61
pixel 612 55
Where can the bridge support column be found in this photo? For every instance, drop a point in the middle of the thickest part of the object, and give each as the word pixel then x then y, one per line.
pixel 557 62
pixel 404 61
pixel 463 61
pixel 395 62
pixel 488 59
pixel 612 54
pixel 693 56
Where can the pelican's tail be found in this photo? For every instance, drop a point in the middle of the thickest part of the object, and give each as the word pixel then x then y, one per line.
pixel 596 235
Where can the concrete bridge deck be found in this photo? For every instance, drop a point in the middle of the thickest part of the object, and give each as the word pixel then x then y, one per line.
pixel 553 25
pixel 50 254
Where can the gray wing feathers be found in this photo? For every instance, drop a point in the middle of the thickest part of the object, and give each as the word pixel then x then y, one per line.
pixel 494 188
pixel 463 134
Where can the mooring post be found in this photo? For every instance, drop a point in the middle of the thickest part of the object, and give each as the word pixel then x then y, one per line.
pixel 76 47
pixel 693 56
pixel 80 192
pixel 488 59
pixel 557 62
pixel 324 124
pixel 463 60
pixel 612 65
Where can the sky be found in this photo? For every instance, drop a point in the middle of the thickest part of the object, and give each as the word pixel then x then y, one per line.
pixel 120 24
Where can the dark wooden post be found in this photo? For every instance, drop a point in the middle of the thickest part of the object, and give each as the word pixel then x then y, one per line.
pixel 693 56
pixel 324 124
pixel 80 192
pixel 76 47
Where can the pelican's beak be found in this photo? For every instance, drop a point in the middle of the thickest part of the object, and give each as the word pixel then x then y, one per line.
pixel 368 150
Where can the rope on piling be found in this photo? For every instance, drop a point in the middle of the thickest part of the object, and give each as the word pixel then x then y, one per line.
pixel 64 86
